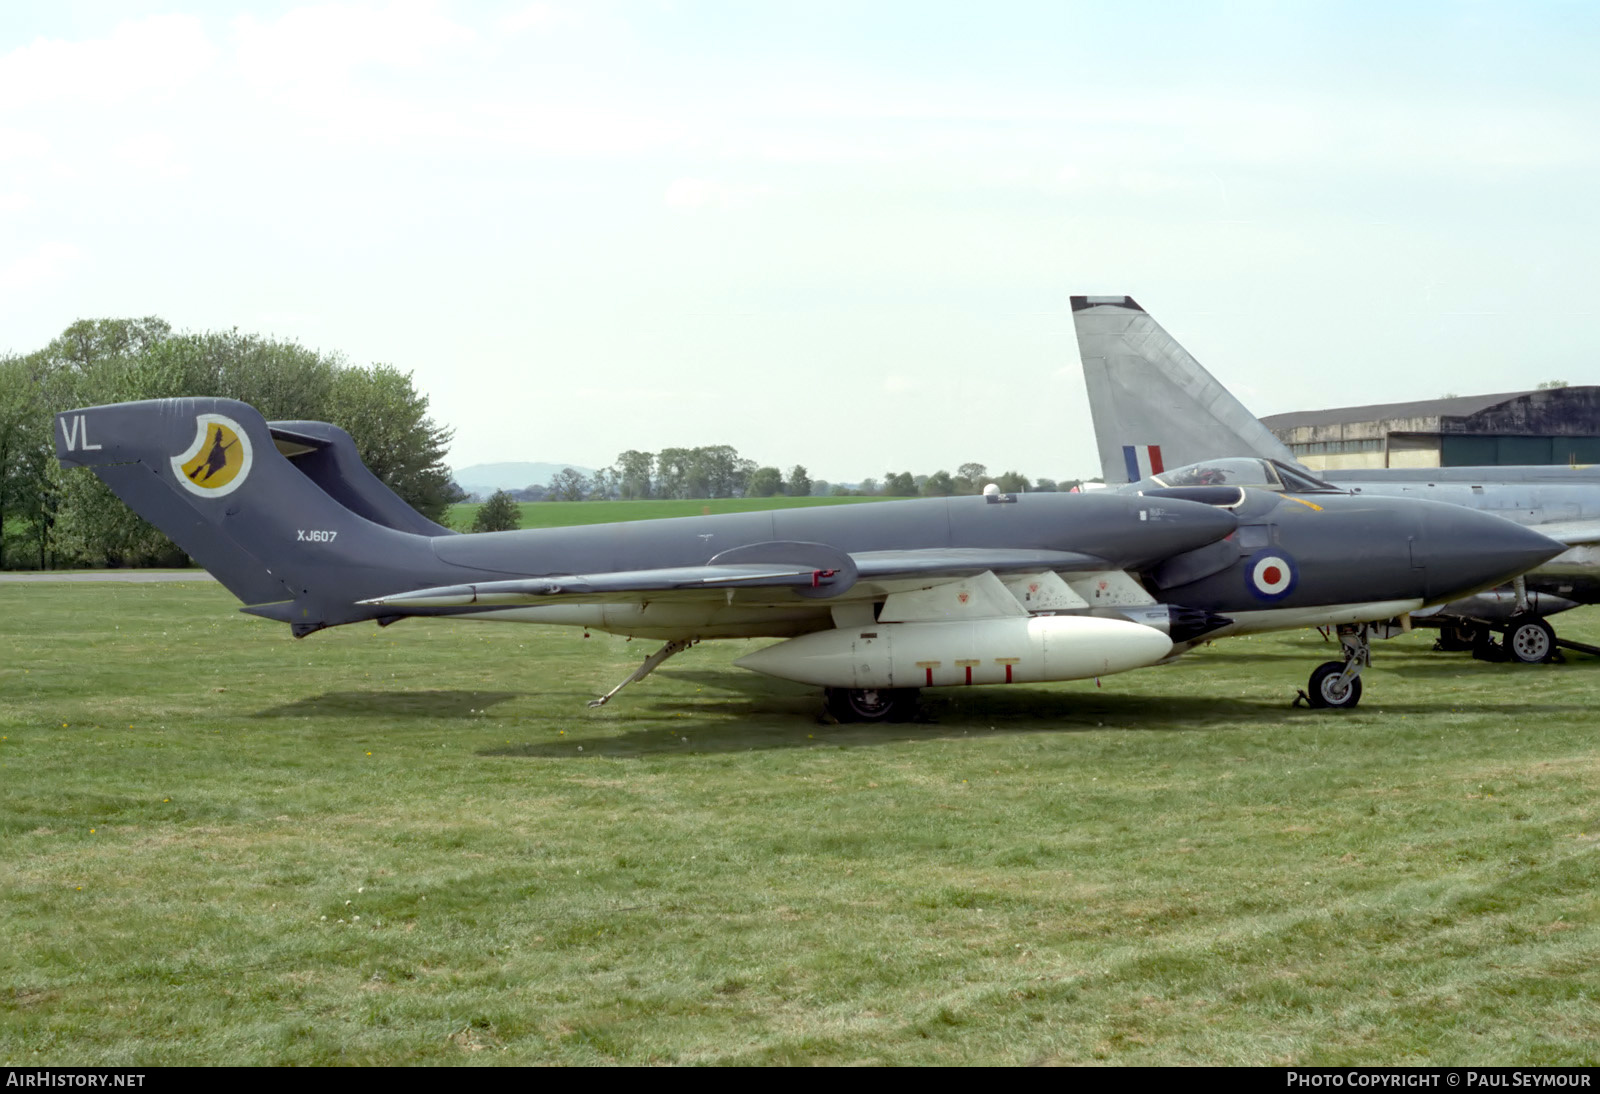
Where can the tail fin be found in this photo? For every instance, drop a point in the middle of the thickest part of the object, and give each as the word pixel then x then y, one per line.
pixel 212 476
pixel 1154 405
pixel 327 456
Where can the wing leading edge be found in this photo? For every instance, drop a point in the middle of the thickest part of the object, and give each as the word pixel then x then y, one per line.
pixel 815 571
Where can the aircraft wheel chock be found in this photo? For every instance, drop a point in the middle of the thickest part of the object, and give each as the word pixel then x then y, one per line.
pixel 1461 636
pixel 1325 691
pixel 1530 641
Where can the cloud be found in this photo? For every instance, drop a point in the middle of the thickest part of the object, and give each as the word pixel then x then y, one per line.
pixel 578 130
pixel 151 154
pixel 310 49
pixel 22 150
pixel 332 71
pixel 809 148
pixel 538 18
pixel 1153 140
pixel 160 54
pixel 630 393
pixel 45 263
pixel 710 194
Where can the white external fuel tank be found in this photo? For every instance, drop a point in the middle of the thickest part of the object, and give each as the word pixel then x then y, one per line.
pixel 979 651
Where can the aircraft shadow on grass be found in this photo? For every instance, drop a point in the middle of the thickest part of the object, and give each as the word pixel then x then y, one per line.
pixel 1451 667
pixel 757 714
pixel 1413 661
pixel 391 704
pixel 739 712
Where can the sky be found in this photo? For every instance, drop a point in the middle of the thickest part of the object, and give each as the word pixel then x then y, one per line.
pixel 836 234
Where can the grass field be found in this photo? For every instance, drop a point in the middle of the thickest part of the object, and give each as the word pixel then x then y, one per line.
pixel 561 514
pixel 417 845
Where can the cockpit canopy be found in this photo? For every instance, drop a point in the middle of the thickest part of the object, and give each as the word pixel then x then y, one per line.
pixel 1263 474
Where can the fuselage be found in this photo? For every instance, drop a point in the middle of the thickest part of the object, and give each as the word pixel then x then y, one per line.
pixel 1531 496
pixel 1563 500
pixel 1267 562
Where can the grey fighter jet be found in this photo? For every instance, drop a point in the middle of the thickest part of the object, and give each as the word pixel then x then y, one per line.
pixel 1161 419
pixel 873 602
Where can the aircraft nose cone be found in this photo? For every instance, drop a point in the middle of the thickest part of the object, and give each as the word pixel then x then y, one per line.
pixel 1464 550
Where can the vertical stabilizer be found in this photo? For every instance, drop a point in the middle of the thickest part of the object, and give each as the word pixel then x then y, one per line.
pixel 1153 404
pixel 212 476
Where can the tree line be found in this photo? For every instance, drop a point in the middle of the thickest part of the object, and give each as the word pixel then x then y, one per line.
pixel 54 518
pixel 718 471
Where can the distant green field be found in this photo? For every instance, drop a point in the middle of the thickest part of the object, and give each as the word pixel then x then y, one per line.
pixel 417 845
pixel 562 514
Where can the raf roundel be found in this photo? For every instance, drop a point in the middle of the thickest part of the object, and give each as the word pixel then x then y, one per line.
pixel 1272 575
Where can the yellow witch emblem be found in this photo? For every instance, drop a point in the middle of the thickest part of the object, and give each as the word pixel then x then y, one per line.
pixel 218 460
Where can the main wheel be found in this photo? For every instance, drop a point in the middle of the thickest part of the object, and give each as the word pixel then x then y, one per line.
pixel 871 704
pixel 1530 641
pixel 1326 691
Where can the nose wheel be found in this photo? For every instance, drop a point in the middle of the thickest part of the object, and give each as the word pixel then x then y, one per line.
pixel 1336 685
pixel 1330 689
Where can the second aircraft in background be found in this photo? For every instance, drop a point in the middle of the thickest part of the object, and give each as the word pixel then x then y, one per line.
pixel 1162 420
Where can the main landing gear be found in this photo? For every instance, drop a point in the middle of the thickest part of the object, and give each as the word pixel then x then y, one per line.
pixel 1529 640
pixel 1336 685
pixel 871 704
pixel 651 663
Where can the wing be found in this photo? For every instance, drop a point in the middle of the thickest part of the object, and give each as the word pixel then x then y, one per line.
pixel 1574 533
pixel 623 585
pixel 1582 557
pixel 805 570
pixel 953 562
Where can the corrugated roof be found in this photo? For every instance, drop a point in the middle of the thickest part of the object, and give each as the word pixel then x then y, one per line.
pixel 1459 406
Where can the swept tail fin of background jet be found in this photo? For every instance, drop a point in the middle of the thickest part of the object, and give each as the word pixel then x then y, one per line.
pixel 222 483
pixel 1153 404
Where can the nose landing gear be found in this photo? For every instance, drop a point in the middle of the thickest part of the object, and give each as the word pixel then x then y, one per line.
pixel 1336 685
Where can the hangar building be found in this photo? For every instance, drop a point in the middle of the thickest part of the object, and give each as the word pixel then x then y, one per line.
pixel 1550 426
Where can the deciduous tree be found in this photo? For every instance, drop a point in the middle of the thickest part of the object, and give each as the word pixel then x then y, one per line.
pixel 76 519
pixel 567 485
pixel 799 482
pixel 765 482
pixel 633 474
pixel 499 514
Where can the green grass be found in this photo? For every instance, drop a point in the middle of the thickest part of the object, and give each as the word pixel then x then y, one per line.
pixel 1175 867
pixel 562 514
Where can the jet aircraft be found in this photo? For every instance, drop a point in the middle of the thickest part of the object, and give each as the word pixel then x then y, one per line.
pixel 873 601
pixel 1161 419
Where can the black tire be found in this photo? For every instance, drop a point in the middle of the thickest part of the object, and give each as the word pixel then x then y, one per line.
pixel 1320 691
pixel 871 704
pixel 1530 641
